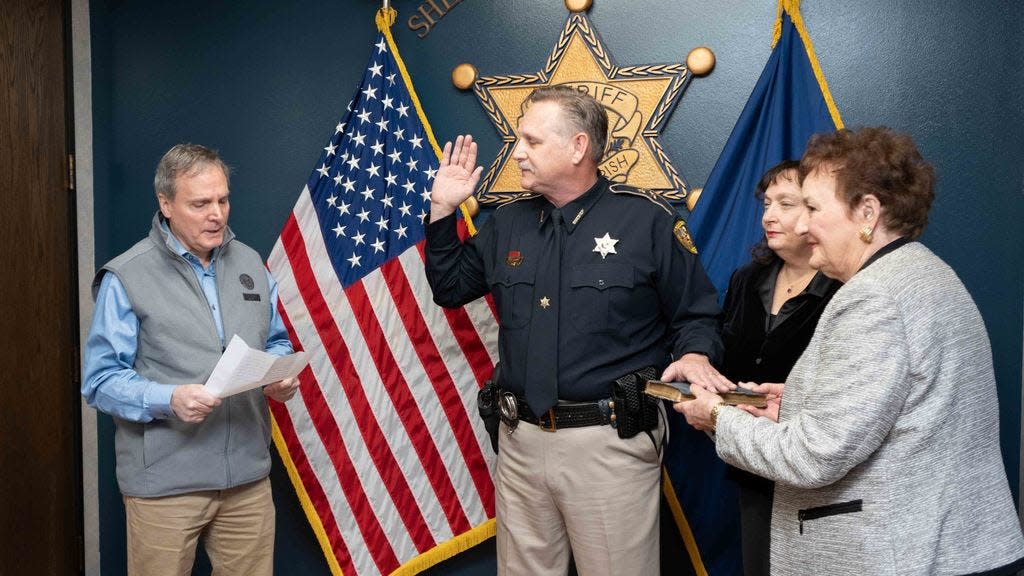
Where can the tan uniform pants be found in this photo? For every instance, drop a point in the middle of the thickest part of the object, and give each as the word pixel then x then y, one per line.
pixel 236 525
pixel 583 488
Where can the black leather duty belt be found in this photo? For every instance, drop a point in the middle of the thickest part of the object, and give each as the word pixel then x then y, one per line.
pixel 570 414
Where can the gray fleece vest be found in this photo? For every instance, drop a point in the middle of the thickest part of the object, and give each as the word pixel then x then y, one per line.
pixel 178 344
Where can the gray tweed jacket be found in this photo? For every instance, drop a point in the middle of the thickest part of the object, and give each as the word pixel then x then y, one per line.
pixel 886 454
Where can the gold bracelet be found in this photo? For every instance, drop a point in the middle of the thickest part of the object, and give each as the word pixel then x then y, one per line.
pixel 714 415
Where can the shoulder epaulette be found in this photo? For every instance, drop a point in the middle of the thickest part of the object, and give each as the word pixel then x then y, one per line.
pixel 517 198
pixel 644 193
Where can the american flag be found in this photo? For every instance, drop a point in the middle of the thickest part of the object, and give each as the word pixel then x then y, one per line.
pixel 384 446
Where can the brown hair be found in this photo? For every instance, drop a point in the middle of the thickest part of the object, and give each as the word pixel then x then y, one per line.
pixel 761 253
pixel 881 162
pixel 582 112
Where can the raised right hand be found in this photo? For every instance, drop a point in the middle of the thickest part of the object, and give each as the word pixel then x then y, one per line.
pixel 456 177
pixel 192 403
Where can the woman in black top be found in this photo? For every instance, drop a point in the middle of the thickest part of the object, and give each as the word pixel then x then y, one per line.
pixel 771 309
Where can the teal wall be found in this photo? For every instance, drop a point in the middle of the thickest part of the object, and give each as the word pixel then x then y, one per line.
pixel 265 82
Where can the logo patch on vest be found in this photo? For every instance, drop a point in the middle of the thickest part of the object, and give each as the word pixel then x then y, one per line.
pixel 247 283
pixel 250 297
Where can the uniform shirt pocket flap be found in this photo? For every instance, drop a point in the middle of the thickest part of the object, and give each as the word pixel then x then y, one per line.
pixel 603 276
pixel 511 275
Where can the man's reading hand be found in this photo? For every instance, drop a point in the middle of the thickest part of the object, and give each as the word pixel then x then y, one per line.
pixel 282 390
pixel 192 403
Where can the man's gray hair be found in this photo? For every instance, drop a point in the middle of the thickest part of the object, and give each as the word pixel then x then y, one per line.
pixel 185 160
pixel 582 111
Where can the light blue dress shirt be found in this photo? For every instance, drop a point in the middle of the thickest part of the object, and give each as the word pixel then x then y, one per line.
pixel 110 383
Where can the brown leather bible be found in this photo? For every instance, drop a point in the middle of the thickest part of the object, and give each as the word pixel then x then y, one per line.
pixel 680 391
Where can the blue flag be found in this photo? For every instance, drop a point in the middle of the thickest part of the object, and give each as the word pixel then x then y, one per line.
pixel 789 104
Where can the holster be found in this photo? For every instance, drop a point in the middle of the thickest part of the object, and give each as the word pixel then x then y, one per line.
pixel 487 406
pixel 635 411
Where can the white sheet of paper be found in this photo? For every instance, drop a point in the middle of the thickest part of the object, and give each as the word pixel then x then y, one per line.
pixel 242 368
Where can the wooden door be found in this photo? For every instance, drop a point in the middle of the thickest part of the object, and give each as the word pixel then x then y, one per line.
pixel 40 462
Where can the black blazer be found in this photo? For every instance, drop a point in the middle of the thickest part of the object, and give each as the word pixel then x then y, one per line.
pixel 754 354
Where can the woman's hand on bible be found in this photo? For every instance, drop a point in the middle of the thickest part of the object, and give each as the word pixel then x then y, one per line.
pixel 774 396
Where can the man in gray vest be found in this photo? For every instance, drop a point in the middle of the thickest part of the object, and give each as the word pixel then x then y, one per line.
pixel 189 465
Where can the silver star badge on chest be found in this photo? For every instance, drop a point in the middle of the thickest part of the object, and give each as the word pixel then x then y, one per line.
pixel 605 245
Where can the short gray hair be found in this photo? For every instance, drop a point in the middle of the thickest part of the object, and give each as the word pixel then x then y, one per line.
pixel 185 160
pixel 582 111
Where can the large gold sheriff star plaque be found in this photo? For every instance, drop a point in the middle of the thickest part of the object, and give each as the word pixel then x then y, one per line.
pixel 639 100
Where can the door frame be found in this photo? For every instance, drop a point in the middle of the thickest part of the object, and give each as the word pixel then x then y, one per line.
pixel 81 103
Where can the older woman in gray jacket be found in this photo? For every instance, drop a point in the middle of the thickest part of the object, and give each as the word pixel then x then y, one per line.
pixel 885 448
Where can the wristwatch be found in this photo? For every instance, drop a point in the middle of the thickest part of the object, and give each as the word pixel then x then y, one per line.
pixel 714 415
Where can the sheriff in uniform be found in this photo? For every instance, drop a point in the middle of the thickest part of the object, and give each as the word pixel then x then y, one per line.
pixel 591 280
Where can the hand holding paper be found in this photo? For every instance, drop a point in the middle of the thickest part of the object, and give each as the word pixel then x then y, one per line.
pixel 241 368
pixel 193 402
pixel 282 390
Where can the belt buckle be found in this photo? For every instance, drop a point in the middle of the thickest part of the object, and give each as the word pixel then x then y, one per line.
pixel 551 418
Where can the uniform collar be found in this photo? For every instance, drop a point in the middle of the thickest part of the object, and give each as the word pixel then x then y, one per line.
pixel 575 210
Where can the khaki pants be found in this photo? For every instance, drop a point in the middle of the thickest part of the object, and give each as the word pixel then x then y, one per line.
pixel 583 488
pixel 236 525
